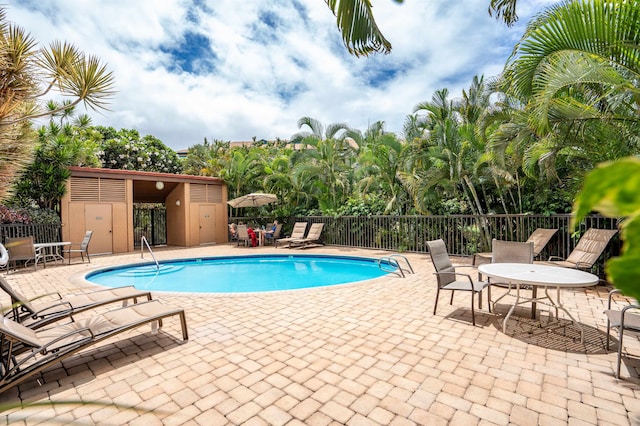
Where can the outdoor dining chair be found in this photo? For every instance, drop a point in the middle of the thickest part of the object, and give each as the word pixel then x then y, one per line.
pixel 243 235
pixel 625 319
pixel 449 279
pixel 82 248
pixel 510 252
pixel 271 238
pixel 21 251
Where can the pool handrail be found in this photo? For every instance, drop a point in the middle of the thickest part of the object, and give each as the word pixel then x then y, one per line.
pixel 392 261
pixel 143 242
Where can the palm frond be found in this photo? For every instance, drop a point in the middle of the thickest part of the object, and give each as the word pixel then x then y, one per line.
pixel 360 33
pixel 505 10
pixel 565 69
pixel 606 29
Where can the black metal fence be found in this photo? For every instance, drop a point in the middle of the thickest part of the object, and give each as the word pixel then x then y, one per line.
pixel 150 222
pixel 464 235
pixel 40 233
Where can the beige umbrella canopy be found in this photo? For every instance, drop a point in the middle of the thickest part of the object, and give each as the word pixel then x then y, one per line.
pixel 254 199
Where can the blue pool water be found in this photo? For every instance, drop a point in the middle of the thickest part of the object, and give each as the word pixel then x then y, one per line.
pixel 239 274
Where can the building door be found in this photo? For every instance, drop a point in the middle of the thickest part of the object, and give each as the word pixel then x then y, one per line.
pixel 98 219
pixel 207 224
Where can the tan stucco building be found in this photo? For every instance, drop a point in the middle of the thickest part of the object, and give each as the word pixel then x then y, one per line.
pixel 102 200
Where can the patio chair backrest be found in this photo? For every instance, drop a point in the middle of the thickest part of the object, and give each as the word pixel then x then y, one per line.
pixel 540 238
pixel 441 262
pixel 16 332
pixel 17 298
pixel 315 231
pixel 511 252
pixel 276 233
pixel 21 248
pixel 299 230
pixel 242 232
pixel 590 247
pixel 86 240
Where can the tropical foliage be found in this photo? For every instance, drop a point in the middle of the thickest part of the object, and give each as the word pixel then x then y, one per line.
pixel 566 101
pixel 71 141
pixel 60 145
pixel 523 142
pixel 592 78
pixel 29 74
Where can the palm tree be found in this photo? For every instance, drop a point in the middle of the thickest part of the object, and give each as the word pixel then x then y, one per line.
pixel 291 188
pixel 43 182
pixel 326 162
pixel 505 9
pixel 380 161
pixel 240 170
pixel 452 152
pixel 575 71
pixel 325 167
pixel 573 57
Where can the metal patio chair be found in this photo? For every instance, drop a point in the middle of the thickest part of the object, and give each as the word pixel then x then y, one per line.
pixel 449 279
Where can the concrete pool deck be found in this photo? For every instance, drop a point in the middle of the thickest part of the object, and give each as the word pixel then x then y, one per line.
pixel 370 353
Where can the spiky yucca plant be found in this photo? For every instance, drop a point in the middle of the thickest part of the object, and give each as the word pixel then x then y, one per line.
pixel 28 74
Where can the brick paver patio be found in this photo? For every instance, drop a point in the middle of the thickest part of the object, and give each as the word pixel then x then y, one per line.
pixel 370 353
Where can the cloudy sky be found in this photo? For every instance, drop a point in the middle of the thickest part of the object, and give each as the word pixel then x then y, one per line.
pixel 233 70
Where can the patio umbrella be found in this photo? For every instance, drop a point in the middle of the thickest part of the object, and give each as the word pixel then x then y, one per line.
pixel 254 199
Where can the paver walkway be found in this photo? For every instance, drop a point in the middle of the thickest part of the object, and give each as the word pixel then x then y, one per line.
pixel 370 353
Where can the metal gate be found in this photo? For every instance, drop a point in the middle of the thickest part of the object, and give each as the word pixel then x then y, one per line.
pixel 150 222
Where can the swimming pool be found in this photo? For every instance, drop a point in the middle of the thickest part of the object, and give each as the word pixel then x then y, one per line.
pixel 240 274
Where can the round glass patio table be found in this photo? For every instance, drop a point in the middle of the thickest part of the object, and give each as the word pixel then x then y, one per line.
pixel 539 275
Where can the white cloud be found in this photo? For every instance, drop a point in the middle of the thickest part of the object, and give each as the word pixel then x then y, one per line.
pixel 272 62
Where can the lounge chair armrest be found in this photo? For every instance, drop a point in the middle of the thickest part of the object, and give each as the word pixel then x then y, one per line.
pixel 54 309
pixel 451 273
pixel 583 265
pixel 45 352
pixel 552 258
pixel 99 291
pixel 44 348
